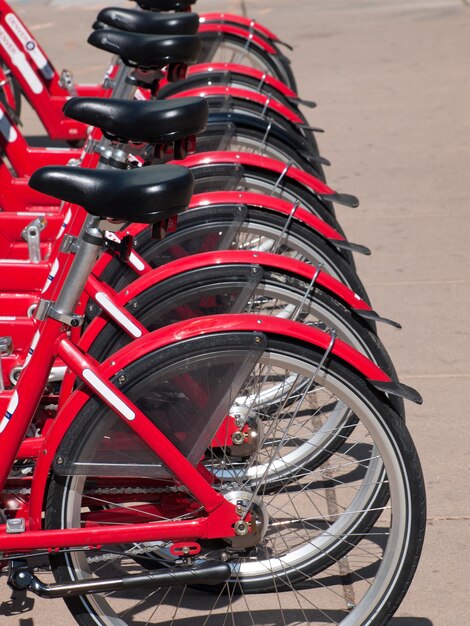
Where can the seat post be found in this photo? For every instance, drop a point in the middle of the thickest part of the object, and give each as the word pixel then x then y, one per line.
pixel 122 88
pixel 91 242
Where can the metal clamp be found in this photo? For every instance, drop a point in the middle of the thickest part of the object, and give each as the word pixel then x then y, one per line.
pixel 75 321
pixel 108 83
pixel 67 82
pixel 46 309
pixel 70 244
pixel 31 234
pixel 42 309
pixel 92 146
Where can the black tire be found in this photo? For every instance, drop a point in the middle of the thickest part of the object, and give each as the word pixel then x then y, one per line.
pixel 296 552
pixel 203 229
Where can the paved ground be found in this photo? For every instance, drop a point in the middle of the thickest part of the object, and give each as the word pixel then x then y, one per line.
pixel 391 80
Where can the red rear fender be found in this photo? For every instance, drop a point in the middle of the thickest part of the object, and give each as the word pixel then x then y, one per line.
pixel 235 68
pixel 269 203
pixel 239 20
pixel 277 167
pixel 238 32
pixel 241 94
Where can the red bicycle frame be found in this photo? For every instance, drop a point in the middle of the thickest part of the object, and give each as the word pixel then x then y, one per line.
pixel 18 406
pixel 96 378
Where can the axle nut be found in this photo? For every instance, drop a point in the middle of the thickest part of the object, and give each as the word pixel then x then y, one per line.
pixel 241 528
pixel 238 438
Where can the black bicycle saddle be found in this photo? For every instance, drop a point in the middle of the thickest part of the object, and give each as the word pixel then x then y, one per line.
pixel 166 5
pixel 147 51
pixel 146 195
pixel 135 21
pixel 141 121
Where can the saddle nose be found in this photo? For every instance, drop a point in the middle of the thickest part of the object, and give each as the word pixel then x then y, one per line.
pixel 166 5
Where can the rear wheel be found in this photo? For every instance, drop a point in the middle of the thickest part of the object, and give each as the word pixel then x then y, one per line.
pixel 226 48
pixel 316 518
pixel 222 227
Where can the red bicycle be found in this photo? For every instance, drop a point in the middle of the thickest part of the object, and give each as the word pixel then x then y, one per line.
pixel 131 497
pixel 28 70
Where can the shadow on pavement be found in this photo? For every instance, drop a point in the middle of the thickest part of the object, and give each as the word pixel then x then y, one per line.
pixel 18 603
pixel 410 621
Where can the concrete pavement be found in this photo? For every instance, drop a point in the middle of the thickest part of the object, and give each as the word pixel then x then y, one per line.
pixel 391 81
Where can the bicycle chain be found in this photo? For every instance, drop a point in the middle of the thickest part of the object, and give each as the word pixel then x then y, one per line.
pixel 108 491
pixel 111 491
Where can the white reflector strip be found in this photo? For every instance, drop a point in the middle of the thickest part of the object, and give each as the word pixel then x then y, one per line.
pixel 7 129
pixel 118 315
pixel 30 45
pixel 135 261
pixel 112 398
pixel 18 58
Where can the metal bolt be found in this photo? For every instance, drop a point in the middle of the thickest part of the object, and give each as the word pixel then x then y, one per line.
pixel 185 550
pixel 60 460
pixel 135 305
pixel 238 438
pixel 241 527
pixel 122 378
pixel 258 339
pixel 74 323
